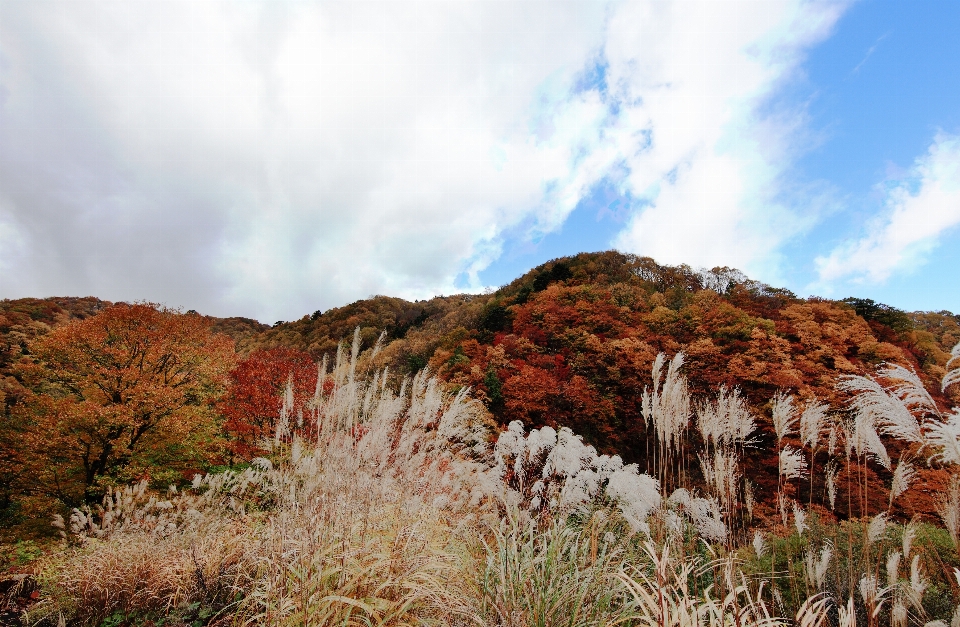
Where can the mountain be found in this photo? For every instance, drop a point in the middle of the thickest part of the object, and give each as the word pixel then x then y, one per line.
pixel 572 342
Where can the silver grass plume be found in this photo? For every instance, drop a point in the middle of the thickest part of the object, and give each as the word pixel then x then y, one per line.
pixel 784 415
pixel 727 420
pixel 812 422
pixel 877 527
pixel 898 614
pixel 792 464
pixel 909 534
pixel 667 406
pixel 908 388
pixel 722 476
pixel 704 513
pixel 952 376
pixel 944 438
pixel 889 411
pixel 816 567
pixel 759 545
pixel 832 439
pixel 286 410
pixel 918 583
pixel 783 506
pixel 799 518
pixel 749 500
pixel 948 507
pixel 861 436
pixel 903 476
pixel 567 474
pixel 868 590
pixel 831 481
pixel 893 568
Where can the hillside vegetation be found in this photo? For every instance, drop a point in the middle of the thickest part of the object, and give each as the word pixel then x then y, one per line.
pixel 603 441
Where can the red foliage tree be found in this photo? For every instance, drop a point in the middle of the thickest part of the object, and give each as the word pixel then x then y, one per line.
pixel 254 399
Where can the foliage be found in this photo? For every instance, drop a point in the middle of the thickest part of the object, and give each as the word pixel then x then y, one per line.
pixel 396 511
pixel 118 396
pixel 252 404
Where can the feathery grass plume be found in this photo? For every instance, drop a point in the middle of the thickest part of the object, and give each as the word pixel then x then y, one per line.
pixel 727 420
pixel 792 464
pixel 759 545
pixel 918 583
pixel 944 438
pixel 871 594
pixel 909 535
pixel 898 614
pixel 903 476
pixel 799 518
pixel 847 615
pixel 784 503
pixel 721 476
pixel 749 500
pixel 909 388
pixel 815 611
pixel 864 439
pixel 555 470
pixel 286 411
pixel 830 475
pixel 666 408
pixel 816 567
pixel 888 409
pixel 703 513
pixel 812 422
pixel 948 507
pixel 952 376
pixel 784 415
pixel 893 568
pixel 877 527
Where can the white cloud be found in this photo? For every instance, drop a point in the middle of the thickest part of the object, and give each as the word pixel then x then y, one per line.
pixel 713 171
pixel 270 158
pixel 920 208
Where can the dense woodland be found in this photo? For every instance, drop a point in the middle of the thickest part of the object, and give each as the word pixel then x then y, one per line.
pixel 570 343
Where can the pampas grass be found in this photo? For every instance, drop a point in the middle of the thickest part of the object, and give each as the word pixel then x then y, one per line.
pixel 389 507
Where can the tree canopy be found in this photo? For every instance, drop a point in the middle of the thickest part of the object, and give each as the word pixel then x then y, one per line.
pixel 118 395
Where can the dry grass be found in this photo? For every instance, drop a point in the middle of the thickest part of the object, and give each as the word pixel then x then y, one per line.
pixel 390 508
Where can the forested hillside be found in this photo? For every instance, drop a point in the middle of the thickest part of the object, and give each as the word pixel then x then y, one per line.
pixel 570 343
pixel 598 396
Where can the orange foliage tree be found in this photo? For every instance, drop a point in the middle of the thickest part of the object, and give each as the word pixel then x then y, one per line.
pixel 122 395
pixel 254 399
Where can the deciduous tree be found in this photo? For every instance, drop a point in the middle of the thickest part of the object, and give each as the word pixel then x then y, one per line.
pixel 121 395
pixel 255 396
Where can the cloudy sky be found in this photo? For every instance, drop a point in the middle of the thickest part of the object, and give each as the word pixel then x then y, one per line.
pixel 272 158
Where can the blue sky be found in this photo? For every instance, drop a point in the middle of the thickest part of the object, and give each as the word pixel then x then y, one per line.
pixel 273 157
pixel 874 93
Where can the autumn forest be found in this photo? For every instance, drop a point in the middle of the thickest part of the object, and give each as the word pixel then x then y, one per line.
pixel 105 403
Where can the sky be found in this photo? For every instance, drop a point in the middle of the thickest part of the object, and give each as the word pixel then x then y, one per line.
pixel 271 158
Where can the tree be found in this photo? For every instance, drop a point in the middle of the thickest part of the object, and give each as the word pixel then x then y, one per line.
pixel 253 401
pixel 122 395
